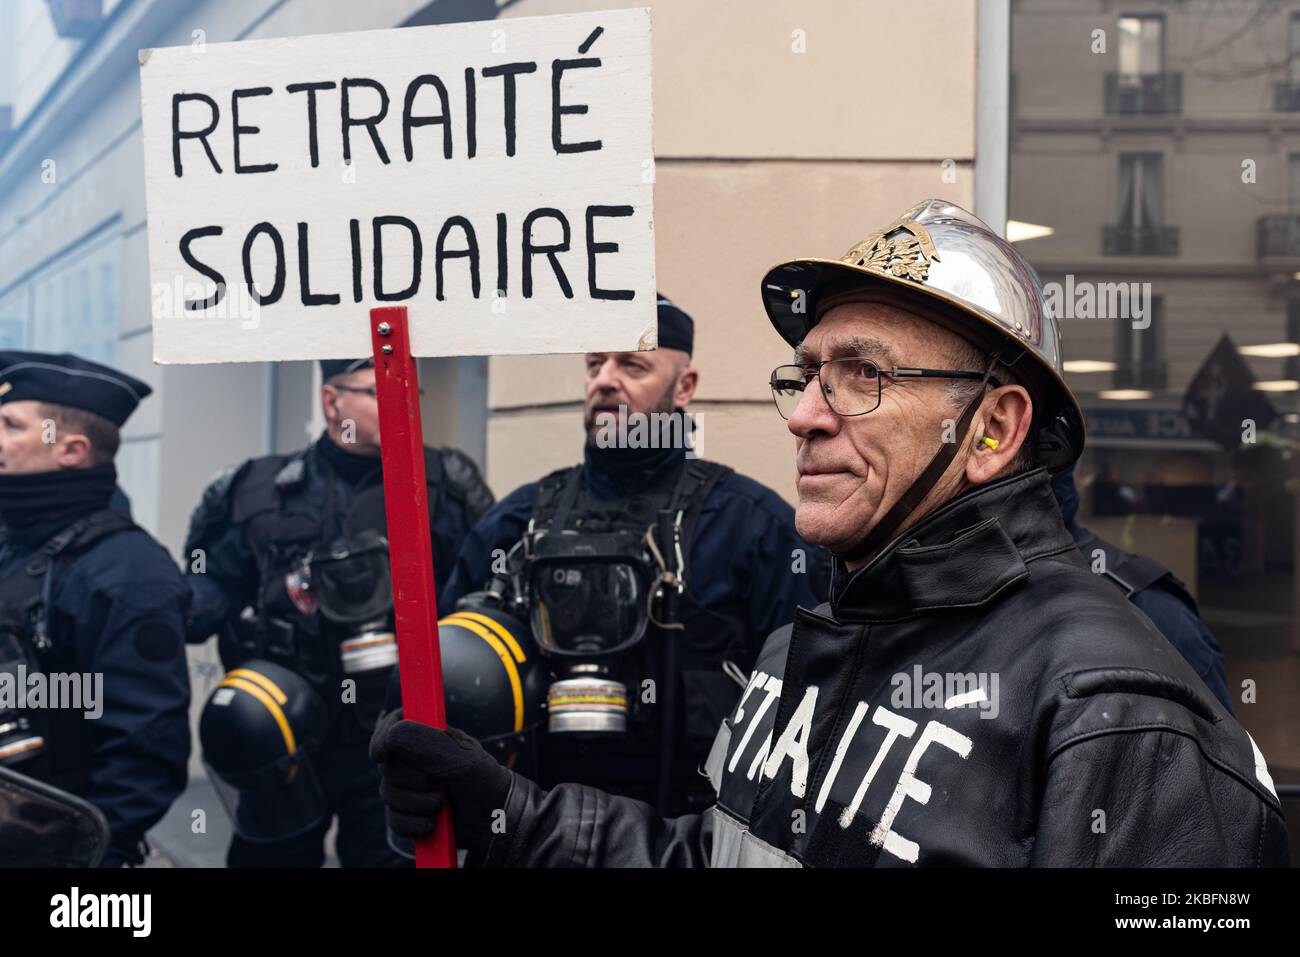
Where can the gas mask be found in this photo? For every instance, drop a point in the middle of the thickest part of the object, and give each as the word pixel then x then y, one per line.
pixel 349 584
pixel 591 598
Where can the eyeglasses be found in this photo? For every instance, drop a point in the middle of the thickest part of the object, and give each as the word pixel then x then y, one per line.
pixel 365 390
pixel 850 386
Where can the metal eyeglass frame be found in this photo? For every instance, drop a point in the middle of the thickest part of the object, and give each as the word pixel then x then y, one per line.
pixel 364 390
pixel 813 371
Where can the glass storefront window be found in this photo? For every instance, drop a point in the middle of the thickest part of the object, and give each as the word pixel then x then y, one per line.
pixel 1172 141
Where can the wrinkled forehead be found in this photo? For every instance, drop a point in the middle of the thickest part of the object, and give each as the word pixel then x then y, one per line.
pixel 654 357
pixel 885 334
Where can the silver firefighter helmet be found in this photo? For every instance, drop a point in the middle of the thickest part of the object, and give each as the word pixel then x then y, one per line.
pixel 945 260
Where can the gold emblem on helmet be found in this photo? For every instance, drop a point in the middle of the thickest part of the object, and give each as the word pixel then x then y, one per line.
pixel 905 256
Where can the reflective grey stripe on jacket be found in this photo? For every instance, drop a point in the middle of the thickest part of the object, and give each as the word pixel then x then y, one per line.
pixel 733 845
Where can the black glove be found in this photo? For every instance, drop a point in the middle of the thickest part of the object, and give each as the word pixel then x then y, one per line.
pixel 424 767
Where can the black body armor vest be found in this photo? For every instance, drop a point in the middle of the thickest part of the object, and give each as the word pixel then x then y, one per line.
pixel 629 763
pixel 283 525
pixel 49 744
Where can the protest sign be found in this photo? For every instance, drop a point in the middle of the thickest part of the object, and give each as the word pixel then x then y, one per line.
pixel 496 178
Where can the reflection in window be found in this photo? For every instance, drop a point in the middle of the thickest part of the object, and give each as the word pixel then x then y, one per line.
pixel 1139 229
pixel 1293 50
pixel 1140 353
pixel 1220 514
pixel 1141 46
pixel 1141 190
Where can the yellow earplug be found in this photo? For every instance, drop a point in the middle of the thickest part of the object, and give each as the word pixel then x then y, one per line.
pixel 991 442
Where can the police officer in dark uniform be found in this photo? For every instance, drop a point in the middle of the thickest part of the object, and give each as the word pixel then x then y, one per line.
pixel 731 542
pixel 88 600
pixel 257 552
pixel 1153 589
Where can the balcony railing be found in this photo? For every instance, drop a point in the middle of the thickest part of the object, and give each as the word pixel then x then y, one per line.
pixel 1144 94
pixel 1139 241
pixel 1278 237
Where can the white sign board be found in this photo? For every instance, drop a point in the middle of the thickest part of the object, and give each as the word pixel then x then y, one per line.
pixel 495 177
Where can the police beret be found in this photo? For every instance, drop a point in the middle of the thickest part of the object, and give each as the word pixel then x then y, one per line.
pixel 329 368
pixel 676 327
pixel 65 379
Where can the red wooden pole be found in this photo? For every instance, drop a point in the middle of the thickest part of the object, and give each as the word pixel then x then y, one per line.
pixel 410 551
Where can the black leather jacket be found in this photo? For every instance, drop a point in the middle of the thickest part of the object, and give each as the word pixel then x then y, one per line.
pixel 974 696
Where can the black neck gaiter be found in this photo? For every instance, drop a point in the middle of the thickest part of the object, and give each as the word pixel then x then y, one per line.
pixel 54 498
pixel 615 470
pixel 349 466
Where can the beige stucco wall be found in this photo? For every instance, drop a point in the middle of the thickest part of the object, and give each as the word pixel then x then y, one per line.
pixel 763 154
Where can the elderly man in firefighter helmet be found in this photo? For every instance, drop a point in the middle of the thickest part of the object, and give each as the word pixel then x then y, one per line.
pixel 972 694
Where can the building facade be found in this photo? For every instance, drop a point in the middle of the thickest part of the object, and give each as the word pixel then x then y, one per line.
pixel 763 152
pixel 771 140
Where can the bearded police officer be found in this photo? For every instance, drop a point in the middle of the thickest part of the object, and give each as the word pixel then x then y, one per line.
pixel 288 563
pixel 613 611
pixel 972 694
pixel 90 605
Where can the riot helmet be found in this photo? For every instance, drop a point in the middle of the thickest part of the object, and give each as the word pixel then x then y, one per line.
pixel 258 730
pixel 494 679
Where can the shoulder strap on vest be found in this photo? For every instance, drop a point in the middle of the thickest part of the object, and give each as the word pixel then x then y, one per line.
pixel 80 535
pixel 1134 573
pixel 695 483
pixel 558 493
pixel 694 486
pixel 24 591
pixel 549 490
pixel 1140 572
pixel 264 480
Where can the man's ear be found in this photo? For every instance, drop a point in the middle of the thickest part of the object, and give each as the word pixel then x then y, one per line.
pixel 1004 419
pixel 329 403
pixel 687 382
pixel 74 452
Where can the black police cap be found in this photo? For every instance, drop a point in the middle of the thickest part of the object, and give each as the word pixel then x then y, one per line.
pixel 329 368
pixel 65 379
pixel 676 327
